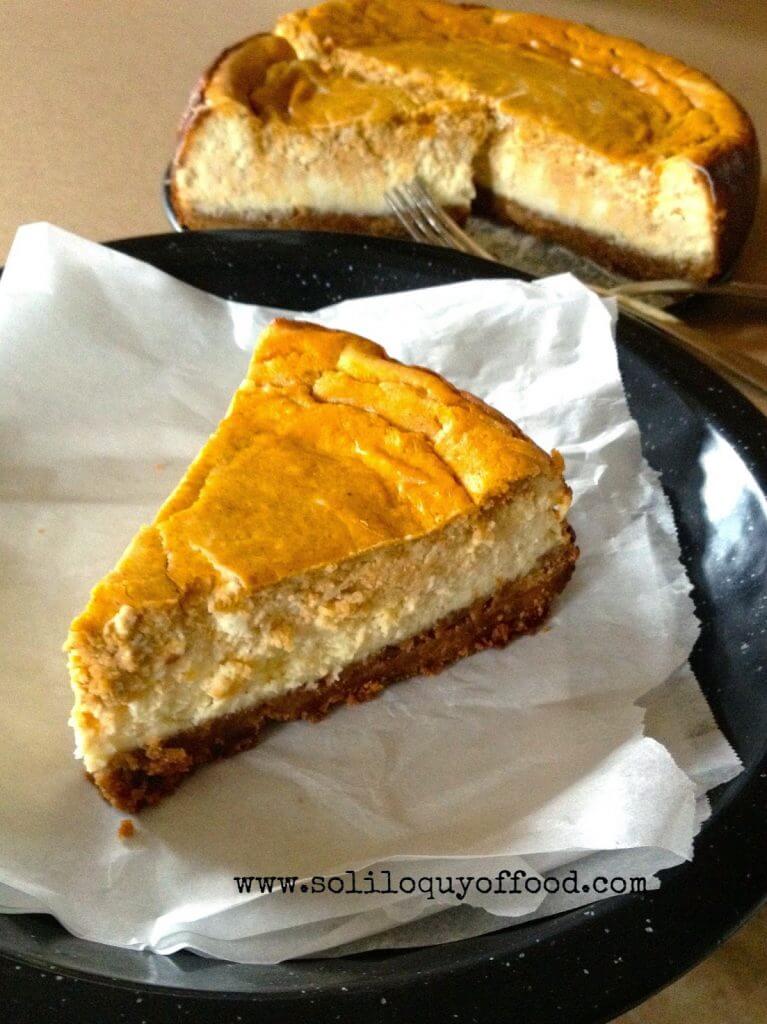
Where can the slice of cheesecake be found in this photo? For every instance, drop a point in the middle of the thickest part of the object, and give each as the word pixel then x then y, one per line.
pixel 351 522
pixel 272 141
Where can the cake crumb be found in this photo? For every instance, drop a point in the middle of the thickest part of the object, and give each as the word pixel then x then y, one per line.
pixel 126 829
pixel 41 529
pixel 160 466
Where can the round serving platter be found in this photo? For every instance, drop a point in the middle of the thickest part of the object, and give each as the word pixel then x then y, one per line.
pixel 710 447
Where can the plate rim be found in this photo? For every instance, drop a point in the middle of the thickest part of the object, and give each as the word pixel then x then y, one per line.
pixel 741 424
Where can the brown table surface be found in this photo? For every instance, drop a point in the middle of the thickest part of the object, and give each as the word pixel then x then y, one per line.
pixel 91 93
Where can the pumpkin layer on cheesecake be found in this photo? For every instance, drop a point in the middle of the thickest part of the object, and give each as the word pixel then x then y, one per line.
pixel 351 522
pixel 622 153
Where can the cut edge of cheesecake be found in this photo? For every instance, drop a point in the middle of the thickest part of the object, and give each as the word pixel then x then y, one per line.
pixel 233 168
pixel 436 528
pixel 711 176
pixel 142 776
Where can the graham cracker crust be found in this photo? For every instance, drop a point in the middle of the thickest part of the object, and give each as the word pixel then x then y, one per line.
pixel 140 778
pixel 309 220
pixel 601 250
pixel 620 259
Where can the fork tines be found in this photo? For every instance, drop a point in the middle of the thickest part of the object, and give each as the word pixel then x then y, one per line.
pixel 425 221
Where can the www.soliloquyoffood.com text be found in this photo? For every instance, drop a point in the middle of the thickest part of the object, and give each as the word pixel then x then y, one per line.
pixel 382 882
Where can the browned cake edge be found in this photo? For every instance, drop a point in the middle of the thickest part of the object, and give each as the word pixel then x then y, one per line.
pixel 142 777
pixel 734 177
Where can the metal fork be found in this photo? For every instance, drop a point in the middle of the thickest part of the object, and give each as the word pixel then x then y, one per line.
pixel 413 206
pixel 425 221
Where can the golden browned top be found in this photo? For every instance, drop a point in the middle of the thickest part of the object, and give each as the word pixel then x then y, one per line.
pixel 615 95
pixel 242 67
pixel 263 75
pixel 329 448
pixel 300 92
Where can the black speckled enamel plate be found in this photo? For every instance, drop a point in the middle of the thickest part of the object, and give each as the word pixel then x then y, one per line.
pixel 710 447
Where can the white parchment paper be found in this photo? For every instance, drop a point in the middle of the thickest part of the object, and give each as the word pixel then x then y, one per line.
pixel 112 375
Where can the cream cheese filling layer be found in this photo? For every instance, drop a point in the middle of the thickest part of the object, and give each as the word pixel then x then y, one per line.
pixel 662 210
pixel 199 662
pixel 233 171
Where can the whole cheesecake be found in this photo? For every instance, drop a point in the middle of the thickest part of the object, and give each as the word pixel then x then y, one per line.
pixel 352 521
pixel 621 153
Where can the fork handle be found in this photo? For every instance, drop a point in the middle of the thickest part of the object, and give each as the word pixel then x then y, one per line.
pixel 733 289
pixel 739 365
